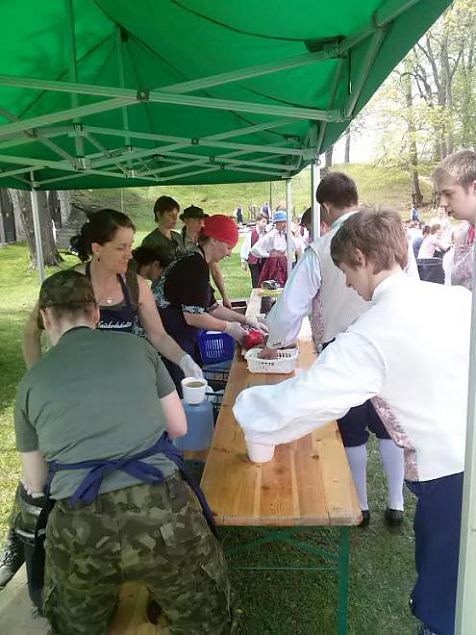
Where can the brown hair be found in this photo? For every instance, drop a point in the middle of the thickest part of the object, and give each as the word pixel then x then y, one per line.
pixel 164 204
pixel 461 166
pixel 378 233
pixel 339 189
pixel 435 228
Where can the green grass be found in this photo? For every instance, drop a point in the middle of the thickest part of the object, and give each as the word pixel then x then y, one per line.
pixel 376 184
pixel 382 570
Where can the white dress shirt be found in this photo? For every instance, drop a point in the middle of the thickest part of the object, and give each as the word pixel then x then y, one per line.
pixel 341 306
pixel 273 241
pixel 394 353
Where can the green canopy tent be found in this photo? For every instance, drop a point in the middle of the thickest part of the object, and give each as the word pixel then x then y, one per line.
pixel 114 93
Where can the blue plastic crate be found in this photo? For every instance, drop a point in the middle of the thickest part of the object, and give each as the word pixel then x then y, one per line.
pixel 215 347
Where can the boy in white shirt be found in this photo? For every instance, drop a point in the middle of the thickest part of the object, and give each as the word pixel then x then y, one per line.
pixel 419 392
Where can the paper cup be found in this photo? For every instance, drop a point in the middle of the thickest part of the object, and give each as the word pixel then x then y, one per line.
pixel 259 452
pixel 194 389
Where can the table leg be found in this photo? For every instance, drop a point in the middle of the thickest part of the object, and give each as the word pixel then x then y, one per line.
pixel 344 578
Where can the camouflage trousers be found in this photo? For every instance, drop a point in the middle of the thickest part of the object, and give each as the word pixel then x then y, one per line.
pixel 156 535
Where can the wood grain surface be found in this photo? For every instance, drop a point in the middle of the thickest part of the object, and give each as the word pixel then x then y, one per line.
pixel 308 482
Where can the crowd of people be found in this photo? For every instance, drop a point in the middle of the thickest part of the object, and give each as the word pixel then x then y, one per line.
pixel 105 496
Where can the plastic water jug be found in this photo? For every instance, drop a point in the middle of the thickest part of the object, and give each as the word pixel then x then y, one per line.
pixel 200 427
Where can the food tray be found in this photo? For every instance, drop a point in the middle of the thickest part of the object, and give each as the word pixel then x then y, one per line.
pixel 284 364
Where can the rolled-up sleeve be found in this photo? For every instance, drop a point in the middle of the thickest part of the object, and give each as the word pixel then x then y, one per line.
pixel 263 246
pixel 295 303
pixel 349 371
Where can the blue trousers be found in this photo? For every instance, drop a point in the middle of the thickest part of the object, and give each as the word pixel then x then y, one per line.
pixel 437 527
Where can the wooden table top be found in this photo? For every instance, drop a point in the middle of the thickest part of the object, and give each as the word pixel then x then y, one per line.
pixel 308 482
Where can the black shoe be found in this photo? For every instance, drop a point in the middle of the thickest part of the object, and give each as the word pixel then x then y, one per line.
pixel 11 558
pixel 365 518
pixel 393 517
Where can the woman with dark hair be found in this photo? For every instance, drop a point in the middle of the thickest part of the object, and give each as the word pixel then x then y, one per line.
pixel 185 298
pixel 104 245
pixel 150 263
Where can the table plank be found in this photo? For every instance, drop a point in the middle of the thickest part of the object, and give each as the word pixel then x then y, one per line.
pixel 308 482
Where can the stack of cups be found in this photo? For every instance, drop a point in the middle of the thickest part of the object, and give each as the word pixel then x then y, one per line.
pixel 259 452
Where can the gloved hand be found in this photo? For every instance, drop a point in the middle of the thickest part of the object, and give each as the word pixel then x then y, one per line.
pixel 236 331
pixel 258 323
pixel 190 368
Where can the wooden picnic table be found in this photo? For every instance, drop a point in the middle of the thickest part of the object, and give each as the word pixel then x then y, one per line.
pixel 307 484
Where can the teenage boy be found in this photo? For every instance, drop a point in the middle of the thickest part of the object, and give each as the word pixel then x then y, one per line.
pixel 419 390
pixel 317 288
pixel 455 183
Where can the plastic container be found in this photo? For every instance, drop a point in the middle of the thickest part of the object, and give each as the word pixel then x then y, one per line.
pixel 194 389
pixel 284 364
pixel 200 424
pixel 259 452
pixel 217 374
pixel 215 347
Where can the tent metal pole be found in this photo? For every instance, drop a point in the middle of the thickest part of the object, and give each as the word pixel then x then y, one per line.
pixel 288 229
pixel 73 71
pixel 40 262
pixel 465 605
pixel 316 208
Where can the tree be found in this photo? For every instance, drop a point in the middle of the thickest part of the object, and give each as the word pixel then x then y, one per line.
pixel 417 196
pixel 22 199
pixel 328 157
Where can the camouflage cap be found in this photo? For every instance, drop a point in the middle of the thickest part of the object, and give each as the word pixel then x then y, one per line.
pixel 66 288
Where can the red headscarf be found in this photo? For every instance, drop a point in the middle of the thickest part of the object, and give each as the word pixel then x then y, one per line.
pixel 222 228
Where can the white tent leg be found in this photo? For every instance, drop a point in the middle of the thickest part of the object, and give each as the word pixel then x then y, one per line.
pixel 316 208
pixel 289 233
pixel 36 225
pixel 465 605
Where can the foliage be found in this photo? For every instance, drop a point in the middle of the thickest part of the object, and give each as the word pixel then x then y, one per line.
pixel 442 67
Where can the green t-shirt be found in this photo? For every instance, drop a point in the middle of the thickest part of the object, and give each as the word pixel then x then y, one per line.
pixel 95 395
pixel 168 248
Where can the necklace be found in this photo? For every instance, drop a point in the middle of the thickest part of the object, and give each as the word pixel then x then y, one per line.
pixel 109 300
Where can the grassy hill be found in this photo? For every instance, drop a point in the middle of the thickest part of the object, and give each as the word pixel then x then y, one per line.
pixel 377 184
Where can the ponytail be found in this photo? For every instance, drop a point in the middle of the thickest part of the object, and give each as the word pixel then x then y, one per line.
pixel 100 228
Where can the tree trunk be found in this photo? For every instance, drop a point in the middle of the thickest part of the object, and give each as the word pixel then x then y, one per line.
pixel 328 157
pixel 50 253
pixel 417 196
pixel 8 232
pixel 65 204
pixel 347 146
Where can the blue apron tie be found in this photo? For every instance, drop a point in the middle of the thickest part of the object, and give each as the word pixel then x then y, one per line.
pixel 89 488
pixel 134 465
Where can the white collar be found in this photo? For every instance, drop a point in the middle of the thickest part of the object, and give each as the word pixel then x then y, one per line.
pixel 388 283
pixel 338 221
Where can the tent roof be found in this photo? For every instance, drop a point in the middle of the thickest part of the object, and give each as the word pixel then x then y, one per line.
pixel 114 93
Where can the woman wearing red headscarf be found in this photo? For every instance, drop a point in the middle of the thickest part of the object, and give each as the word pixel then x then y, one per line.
pixel 185 298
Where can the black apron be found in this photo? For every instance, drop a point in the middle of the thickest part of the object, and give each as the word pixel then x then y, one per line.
pixel 119 318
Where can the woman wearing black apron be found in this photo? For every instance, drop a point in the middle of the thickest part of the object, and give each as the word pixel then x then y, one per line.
pixel 185 298
pixel 104 245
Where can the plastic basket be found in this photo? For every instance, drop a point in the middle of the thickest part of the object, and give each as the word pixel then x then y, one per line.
pixel 215 347
pixel 284 364
pixel 217 374
pixel 215 398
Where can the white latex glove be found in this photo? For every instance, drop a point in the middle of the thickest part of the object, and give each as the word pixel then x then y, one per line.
pixel 190 368
pixel 235 330
pixel 259 324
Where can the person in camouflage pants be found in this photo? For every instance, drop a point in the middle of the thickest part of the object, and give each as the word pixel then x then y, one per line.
pixel 153 534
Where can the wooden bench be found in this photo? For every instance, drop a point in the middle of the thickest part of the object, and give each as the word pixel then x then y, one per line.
pixel 308 484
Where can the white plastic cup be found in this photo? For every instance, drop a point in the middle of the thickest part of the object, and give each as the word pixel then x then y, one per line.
pixel 194 389
pixel 259 452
